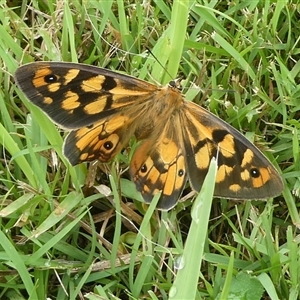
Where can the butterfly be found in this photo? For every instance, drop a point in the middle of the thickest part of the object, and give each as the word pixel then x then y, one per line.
pixel 177 138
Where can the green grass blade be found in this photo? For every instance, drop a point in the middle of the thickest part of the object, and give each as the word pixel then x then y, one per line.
pixel 18 264
pixel 186 281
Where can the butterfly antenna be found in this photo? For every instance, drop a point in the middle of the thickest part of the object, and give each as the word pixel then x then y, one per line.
pixel 159 63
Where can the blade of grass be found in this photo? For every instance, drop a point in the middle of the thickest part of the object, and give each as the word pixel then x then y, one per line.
pixel 59 213
pixel 186 281
pixel 18 264
pixel 227 283
pixel 144 237
pixel 9 144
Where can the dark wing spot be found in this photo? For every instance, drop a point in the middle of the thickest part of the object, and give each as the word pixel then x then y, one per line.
pixel 144 168
pixel 108 84
pixel 219 135
pixel 108 145
pixel 50 78
pixel 254 172
pixel 180 173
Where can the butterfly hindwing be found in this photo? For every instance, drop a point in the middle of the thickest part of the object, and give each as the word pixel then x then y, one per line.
pixel 100 141
pixel 160 165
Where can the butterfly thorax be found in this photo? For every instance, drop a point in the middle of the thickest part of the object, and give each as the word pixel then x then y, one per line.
pixel 163 106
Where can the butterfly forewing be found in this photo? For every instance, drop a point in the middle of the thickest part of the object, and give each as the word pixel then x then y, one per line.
pixel 104 109
pixel 243 171
pixel 75 95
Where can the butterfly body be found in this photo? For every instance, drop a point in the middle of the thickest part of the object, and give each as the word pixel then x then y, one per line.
pixel 104 109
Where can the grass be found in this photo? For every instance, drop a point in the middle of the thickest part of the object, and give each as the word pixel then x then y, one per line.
pixel 82 232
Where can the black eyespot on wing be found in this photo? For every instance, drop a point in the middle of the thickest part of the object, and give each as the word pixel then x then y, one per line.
pixel 108 145
pixel 144 168
pixel 254 172
pixel 181 173
pixel 50 78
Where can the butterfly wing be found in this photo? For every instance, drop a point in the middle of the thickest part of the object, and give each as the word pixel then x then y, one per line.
pixel 99 105
pixel 77 95
pixel 243 171
pixel 158 164
pixel 102 140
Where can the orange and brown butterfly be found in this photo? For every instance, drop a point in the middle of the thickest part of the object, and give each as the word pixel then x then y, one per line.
pixel 104 109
